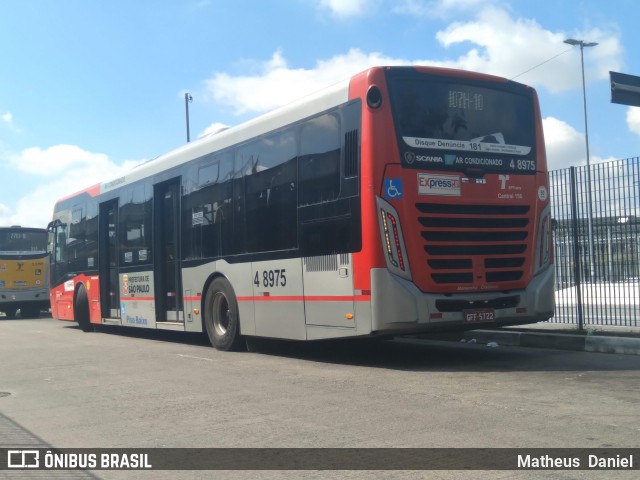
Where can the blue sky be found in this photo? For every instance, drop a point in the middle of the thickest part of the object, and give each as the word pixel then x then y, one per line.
pixel 90 88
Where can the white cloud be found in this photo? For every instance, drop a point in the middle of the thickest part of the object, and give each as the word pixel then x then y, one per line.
pixel 436 8
pixel 277 84
pixel 5 215
pixel 495 42
pixel 347 8
pixel 68 169
pixel 7 119
pixel 633 119
pixel 58 158
pixel 565 145
pixel 508 47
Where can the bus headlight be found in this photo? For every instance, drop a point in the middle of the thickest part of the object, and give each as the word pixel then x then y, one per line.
pixel 392 239
pixel 543 241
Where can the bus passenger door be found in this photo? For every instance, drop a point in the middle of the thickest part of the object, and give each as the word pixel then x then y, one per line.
pixel 108 263
pixel 167 275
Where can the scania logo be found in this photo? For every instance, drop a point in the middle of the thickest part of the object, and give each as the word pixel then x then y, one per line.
pixel 409 157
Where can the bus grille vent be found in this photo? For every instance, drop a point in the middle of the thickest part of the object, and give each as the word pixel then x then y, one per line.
pixel 325 263
pixel 474 244
pixel 351 154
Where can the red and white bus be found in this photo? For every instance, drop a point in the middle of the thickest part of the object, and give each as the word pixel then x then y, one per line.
pixel 403 200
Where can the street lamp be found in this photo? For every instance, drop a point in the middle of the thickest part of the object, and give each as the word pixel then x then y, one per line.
pixel 187 100
pixel 583 44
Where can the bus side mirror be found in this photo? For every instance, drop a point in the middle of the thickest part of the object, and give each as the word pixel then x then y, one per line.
pixel 53 225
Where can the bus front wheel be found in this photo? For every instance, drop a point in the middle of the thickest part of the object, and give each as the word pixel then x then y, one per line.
pixel 221 318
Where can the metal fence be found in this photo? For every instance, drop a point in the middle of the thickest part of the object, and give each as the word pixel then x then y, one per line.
pixel 596 236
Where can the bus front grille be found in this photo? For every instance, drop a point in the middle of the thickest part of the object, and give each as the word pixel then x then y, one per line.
pixel 474 245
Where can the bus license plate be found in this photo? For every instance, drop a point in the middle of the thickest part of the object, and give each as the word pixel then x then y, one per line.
pixel 479 315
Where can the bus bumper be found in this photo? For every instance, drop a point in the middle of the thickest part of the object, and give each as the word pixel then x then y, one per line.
pixel 18 299
pixel 398 306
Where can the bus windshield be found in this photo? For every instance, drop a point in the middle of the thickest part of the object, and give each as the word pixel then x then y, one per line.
pixel 456 124
pixel 22 242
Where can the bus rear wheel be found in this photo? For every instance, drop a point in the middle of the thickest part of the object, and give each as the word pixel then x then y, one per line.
pixel 81 310
pixel 221 318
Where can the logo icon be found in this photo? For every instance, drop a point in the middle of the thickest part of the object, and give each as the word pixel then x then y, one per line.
pixel 449 159
pixel 542 193
pixel 433 184
pixel 125 284
pixel 23 459
pixel 393 188
pixel 503 181
pixel 409 157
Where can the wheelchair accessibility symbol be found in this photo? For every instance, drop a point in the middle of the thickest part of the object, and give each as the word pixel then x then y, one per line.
pixel 393 188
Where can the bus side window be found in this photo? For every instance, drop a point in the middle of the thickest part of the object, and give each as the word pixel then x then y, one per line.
pixel 329 211
pixel 319 160
pixel 271 193
pixel 223 206
pixel 207 215
pixel 135 226
pixel 60 245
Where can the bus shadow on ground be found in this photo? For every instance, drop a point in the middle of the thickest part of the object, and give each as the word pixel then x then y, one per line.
pixel 185 338
pixel 395 353
pixel 410 354
pixel 402 353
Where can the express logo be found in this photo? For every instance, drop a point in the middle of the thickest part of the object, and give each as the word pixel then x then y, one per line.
pixel 432 184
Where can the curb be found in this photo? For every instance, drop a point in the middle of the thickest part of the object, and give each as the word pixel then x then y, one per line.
pixel 579 343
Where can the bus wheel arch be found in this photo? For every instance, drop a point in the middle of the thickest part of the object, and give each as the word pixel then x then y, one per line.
pixel 81 309
pixel 220 314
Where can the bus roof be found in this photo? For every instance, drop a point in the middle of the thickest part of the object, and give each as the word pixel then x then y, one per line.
pixel 305 107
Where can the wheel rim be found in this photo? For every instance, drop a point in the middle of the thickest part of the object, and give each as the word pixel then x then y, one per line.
pixel 222 313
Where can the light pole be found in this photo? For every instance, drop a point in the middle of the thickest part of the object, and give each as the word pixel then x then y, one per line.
pixel 187 100
pixel 583 44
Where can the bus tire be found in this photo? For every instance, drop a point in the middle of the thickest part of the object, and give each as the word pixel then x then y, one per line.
pixel 221 318
pixel 11 312
pixel 81 310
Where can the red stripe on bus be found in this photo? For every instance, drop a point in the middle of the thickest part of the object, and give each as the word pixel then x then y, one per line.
pixel 128 299
pixel 300 298
pixel 92 191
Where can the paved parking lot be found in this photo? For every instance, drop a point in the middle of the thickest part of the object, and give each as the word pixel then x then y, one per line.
pixel 139 389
